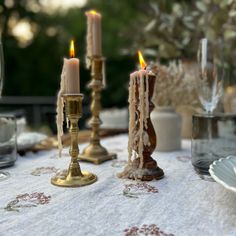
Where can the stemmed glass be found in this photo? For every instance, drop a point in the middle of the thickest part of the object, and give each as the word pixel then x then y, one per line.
pixel 211 73
pixel 210 90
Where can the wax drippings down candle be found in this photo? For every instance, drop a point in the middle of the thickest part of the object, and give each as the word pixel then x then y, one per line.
pixel 139 111
pixel 70 84
pixel 138 120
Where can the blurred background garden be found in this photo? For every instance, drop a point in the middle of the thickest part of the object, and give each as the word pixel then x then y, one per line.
pixel 36 35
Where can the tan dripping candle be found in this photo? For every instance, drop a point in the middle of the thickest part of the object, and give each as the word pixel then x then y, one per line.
pixel 142 138
pixel 70 84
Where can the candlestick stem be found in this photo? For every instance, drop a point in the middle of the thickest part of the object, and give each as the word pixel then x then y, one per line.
pixel 95 152
pixel 73 177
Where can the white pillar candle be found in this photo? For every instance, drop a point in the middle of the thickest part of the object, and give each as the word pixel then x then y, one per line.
pixel 72 76
pixel 94 41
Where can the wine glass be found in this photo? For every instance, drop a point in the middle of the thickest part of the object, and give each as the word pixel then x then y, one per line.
pixel 211 73
pixel 210 89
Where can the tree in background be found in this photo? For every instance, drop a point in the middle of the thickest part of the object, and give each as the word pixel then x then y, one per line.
pixel 163 29
pixel 36 38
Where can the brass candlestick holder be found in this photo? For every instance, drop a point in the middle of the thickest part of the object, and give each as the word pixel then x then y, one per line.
pixel 95 152
pixel 73 177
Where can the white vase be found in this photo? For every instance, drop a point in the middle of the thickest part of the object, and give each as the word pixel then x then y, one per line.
pixel 167 125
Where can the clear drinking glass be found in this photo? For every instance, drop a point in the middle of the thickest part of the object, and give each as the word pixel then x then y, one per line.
pixel 210 89
pixel 7 140
pixel 1 66
pixel 3 174
pixel 223 142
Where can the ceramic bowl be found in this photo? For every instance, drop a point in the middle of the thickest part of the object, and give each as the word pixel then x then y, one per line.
pixel 223 171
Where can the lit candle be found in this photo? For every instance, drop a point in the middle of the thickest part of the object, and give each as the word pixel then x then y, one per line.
pixel 70 84
pixel 94 41
pixel 138 111
pixel 72 75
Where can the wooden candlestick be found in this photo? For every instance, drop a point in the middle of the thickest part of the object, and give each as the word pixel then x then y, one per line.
pixel 154 172
pixel 148 169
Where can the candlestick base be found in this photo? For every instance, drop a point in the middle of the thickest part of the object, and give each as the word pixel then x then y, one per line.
pixel 73 177
pixel 67 180
pixel 96 154
pixel 149 171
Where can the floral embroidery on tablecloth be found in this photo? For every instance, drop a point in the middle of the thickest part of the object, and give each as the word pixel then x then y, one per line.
pixel 44 170
pixel 119 163
pixel 134 190
pixel 183 158
pixel 63 155
pixel 27 200
pixel 145 230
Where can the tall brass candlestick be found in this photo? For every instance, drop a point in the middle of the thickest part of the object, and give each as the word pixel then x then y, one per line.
pixel 73 177
pixel 95 152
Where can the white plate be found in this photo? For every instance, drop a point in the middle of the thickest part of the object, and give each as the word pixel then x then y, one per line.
pixel 223 172
pixel 29 139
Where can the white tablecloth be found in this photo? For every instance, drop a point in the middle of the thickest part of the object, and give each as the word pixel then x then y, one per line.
pixel 180 204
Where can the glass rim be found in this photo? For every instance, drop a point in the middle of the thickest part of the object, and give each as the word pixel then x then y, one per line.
pixel 214 115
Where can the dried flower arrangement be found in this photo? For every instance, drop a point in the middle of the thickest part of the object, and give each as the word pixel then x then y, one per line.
pixel 176 85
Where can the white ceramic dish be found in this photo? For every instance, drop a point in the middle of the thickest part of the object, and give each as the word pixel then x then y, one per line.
pixel 223 172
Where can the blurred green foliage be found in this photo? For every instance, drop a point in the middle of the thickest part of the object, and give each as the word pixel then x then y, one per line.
pixel 34 68
pixel 172 29
pixel 163 29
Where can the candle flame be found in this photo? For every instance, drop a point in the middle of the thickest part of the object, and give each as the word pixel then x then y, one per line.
pixel 93 12
pixel 72 49
pixel 141 60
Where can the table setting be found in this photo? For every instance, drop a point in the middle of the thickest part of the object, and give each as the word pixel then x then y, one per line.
pixel 147 181
pixel 182 203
